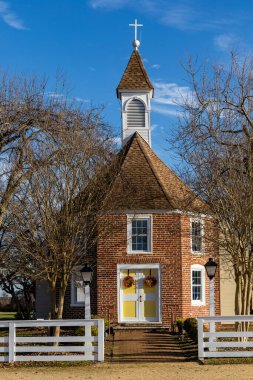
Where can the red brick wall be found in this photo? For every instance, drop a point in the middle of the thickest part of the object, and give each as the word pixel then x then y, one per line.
pixel 171 249
pixel 189 258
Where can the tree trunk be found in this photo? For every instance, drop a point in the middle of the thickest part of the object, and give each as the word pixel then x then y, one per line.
pixel 243 295
pixel 52 299
pixel 52 306
pixel 59 313
pixel 238 302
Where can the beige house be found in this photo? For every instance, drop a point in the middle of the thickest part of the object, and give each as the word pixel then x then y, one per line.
pixel 227 286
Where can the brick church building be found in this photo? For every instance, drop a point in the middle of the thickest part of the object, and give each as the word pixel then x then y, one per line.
pixel 149 264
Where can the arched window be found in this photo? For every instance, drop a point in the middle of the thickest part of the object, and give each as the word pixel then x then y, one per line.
pixel 135 114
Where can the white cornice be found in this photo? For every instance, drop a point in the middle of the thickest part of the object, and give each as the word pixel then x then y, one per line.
pixel 154 211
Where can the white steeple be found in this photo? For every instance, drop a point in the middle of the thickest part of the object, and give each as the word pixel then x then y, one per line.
pixel 135 92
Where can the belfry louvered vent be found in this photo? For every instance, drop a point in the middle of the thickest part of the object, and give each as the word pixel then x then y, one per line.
pixel 135 114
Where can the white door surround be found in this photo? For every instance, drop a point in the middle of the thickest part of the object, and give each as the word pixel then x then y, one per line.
pixel 138 297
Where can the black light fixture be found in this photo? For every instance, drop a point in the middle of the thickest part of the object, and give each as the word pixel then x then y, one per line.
pixel 210 267
pixel 86 273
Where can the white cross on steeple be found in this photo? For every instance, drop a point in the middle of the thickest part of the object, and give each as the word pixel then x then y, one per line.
pixel 136 25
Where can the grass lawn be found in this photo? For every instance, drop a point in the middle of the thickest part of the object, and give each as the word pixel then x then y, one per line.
pixel 7 315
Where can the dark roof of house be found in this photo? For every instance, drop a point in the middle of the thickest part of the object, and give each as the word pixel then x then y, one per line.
pixel 135 76
pixel 145 182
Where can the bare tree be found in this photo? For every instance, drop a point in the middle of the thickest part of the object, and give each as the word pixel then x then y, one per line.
pixel 56 222
pixel 216 141
pixel 27 111
pixel 39 133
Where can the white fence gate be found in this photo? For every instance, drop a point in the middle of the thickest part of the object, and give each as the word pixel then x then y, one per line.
pixel 224 344
pixel 23 341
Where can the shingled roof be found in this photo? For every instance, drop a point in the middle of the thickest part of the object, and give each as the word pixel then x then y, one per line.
pixel 135 76
pixel 145 182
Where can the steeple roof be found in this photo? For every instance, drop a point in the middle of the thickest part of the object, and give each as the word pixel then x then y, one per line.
pixel 135 76
pixel 145 182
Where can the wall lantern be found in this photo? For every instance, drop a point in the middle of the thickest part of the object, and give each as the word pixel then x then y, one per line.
pixel 210 267
pixel 86 273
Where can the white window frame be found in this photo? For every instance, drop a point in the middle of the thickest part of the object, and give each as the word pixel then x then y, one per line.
pixel 202 235
pixel 202 302
pixel 130 218
pixel 74 301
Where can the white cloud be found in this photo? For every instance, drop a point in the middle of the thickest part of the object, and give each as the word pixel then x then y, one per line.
pixel 117 140
pixel 165 110
pixel 153 126
pixel 170 93
pixel 169 97
pixel 155 66
pixel 81 100
pixel 63 98
pixel 55 95
pixel 179 15
pixel 109 4
pixel 9 17
pixel 225 42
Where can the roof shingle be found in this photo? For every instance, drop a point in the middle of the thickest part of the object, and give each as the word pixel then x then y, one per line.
pixel 145 182
pixel 135 76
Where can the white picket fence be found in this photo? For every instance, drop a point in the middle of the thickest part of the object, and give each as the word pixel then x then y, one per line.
pixel 33 347
pixel 209 344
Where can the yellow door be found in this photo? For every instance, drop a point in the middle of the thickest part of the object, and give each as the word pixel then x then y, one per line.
pixel 138 301
pixel 149 296
pixel 129 296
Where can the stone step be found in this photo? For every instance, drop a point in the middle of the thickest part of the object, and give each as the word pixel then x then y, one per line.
pixel 140 327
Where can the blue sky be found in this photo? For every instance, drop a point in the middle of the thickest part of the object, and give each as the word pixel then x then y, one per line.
pixel 90 42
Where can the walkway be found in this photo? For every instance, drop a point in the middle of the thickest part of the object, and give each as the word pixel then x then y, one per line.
pixel 151 346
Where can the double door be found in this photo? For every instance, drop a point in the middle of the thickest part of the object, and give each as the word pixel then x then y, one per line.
pixel 139 302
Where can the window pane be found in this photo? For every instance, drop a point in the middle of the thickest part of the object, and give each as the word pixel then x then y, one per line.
pixel 196 236
pixel 196 293
pixel 79 294
pixel 196 277
pixel 140 235
pixel 196 285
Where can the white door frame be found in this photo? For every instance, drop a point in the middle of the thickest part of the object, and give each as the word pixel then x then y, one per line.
pixel 159 291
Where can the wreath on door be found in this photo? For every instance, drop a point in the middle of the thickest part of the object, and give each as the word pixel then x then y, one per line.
pixel 128 281
pixel 150 281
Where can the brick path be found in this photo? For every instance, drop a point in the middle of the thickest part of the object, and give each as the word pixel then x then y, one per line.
pixel 151 346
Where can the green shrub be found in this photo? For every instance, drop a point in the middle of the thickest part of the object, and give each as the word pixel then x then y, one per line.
pixel 190 325
pixel 179 323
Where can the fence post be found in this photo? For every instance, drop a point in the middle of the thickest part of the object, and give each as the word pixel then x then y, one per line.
pixel 12 341
pixel 200 339
pixel 101 337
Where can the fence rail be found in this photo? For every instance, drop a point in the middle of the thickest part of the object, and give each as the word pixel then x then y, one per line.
pixel 16 347
pixel 224 344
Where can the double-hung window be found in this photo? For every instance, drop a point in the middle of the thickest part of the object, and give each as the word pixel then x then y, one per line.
pixel 77 290
pixel 197 234
pixel 139 234
pixel 197 285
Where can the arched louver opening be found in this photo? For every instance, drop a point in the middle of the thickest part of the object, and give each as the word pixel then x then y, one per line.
pixel 135 114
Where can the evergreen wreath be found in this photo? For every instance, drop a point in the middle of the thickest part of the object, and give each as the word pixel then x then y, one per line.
pixel 128 281
pixel 150 281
